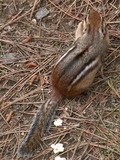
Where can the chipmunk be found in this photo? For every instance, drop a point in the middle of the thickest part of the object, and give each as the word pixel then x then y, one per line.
pixel 73 74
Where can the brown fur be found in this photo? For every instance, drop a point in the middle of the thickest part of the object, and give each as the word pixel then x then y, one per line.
pixel 94 19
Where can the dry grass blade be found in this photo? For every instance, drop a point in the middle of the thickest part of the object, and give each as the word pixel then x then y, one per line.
pixel 112 88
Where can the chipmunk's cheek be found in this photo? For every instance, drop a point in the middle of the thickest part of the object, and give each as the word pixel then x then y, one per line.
pixel 101 34
pixel 84 27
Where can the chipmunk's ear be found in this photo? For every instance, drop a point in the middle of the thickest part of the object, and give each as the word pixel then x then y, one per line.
pixel 87 18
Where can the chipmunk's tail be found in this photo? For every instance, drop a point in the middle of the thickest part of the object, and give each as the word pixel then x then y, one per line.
pixel 40 125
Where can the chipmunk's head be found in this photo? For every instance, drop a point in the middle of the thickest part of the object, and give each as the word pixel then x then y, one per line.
pixel 94 19
pixel 95 23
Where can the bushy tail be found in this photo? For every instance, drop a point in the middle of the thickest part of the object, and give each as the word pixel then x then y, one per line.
pixel 40 126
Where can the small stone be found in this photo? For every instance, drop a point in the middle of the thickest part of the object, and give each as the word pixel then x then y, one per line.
pixel 42 12
pixel 34 21
pixel 84 112
pixel 9 56
pixel 71 23
pixel 22 133
pixel 56 1
pixel 8 28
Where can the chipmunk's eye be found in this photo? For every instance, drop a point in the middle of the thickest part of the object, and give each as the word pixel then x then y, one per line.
pixel 85 29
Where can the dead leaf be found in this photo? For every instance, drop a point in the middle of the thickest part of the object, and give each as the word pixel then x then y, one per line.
pixel 31 64
pixel 9 116
pixel 27 39
pixel 32 79
pixel 88 131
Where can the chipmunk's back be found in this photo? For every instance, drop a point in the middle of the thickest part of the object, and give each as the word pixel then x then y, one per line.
pixel 76 69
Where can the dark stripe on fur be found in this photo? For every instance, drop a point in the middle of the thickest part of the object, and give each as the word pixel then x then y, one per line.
pixel 73 61
pixel 82 69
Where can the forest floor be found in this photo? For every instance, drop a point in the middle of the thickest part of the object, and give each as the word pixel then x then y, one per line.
pixel 29 49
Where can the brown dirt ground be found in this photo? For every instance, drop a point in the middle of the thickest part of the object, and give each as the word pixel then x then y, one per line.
pixel 91 128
